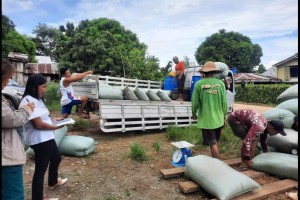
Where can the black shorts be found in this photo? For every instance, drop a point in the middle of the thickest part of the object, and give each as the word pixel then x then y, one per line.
pixel 211 136
pixel 237 128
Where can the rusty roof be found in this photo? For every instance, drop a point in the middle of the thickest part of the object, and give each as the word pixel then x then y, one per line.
pixel 254 78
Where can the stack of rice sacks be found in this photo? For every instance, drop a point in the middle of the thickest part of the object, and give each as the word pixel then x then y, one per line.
pixel 285 111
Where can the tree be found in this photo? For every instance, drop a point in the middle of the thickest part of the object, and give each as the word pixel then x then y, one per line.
pixel 12 41
pixel 261 69
pixel 232 48
pixel 105 46
pixel 46 40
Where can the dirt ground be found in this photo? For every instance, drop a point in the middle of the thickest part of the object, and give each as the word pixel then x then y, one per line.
pixel 109 174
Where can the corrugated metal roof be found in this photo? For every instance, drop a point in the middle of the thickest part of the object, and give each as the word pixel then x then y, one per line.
pixel 254 78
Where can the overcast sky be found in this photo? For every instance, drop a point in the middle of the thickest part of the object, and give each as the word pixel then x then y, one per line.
pixel 174 27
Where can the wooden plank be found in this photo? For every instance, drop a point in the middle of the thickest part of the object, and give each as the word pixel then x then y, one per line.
pixel 173 172
pixel 191 186
pixel 188 187
pixel 268 189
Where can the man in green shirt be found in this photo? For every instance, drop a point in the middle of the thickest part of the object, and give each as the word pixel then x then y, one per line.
pixel 209 99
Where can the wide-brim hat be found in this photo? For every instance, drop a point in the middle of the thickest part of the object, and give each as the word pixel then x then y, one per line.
pixel 210 67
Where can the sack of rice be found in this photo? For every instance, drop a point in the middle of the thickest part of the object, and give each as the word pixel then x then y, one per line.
pixel 217 178
pixel 291 105
pixel 290 93
pixel 221 66
pixel 286 116
pixel 278 164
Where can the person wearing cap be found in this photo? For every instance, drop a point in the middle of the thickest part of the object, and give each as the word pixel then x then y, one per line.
pixel 251 126
pixel 179 71
pixel 209 100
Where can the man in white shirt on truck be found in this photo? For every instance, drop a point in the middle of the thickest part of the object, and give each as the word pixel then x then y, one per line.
pixel 68 99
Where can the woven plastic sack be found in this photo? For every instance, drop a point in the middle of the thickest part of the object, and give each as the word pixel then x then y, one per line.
pixel 141 95
pixel 221 66
pixel 153 96
pixel 217 178
pixel 75 145
pixel 129 94
pixel 291 105
pixel 59 134
pixel 290 93
pixel 166 92
pixel 286 116
pixel 110 93
pixel 285 144
pixel 163 96
pixel 278 164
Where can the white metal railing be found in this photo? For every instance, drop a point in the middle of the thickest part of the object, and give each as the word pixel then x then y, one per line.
pixel 115 81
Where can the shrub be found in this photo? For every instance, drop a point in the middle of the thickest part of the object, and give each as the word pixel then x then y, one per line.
pixel 156 146
pixel 52 95
pixel 137 152
pixel 262 94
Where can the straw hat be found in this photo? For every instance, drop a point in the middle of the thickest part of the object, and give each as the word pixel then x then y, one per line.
pixel 210 67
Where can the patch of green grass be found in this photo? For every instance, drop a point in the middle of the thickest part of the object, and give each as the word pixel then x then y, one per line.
pixel 229 144
pixel 138 152
pixel 109 198
pixel 156 146
pixel 127 192
pixel 80 124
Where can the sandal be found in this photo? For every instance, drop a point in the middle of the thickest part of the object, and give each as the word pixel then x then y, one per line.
pixel 60 181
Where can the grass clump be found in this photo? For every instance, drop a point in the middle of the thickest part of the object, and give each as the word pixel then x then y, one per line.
pixel 137 152
pixel 156 146
pixel 229 144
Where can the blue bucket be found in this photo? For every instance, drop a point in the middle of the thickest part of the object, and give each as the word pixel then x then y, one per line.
pixel 194 80
pixel 233 70
pixel 168 83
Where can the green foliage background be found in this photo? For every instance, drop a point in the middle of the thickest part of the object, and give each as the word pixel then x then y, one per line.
pixel 260 93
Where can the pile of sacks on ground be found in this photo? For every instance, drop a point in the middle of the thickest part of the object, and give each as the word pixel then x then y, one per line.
pixel 286 112
pixel 71 145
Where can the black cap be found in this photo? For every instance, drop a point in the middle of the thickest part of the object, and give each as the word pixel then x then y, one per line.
pixel 278 126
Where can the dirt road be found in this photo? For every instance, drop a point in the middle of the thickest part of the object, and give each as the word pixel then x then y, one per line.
pixel 108 173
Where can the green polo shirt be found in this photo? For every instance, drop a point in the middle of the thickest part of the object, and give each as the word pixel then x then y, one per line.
pixel 209 99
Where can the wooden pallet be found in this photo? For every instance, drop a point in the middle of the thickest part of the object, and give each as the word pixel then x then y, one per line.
pixel 261 193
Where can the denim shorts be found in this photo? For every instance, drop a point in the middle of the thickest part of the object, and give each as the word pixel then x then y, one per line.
pixel 68 108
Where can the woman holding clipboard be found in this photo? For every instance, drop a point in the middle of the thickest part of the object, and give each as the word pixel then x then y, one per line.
pixel 39 135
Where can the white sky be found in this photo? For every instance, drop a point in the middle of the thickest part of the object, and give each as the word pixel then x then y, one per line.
pixel 174 27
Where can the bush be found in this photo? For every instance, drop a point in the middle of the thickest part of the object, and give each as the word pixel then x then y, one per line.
pixel 137 152
pixel 52 95
pixel 262 94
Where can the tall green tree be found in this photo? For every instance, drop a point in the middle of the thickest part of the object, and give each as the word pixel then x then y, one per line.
pixel 12 41
pixel 105 46
pixel 45 39
pixel 261 69
pixel 232 48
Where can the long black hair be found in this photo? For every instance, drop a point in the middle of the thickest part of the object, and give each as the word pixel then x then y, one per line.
pixel 32 85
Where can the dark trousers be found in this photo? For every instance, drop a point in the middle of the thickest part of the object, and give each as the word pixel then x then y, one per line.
pixel 12 182
pixel 180 83
pixel 44 153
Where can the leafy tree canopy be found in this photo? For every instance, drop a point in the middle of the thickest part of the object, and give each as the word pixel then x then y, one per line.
pixel 261 69
pixel 105 46
pixel 12 41
pixel 232 48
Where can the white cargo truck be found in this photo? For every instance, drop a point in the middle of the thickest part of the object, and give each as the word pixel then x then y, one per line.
pixel 129 115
